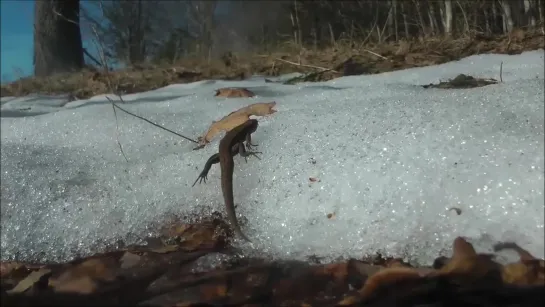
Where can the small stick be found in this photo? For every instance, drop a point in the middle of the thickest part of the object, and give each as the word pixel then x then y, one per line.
pixel 501 70
pixel 148 121
pixel 376 54
pixel 305 65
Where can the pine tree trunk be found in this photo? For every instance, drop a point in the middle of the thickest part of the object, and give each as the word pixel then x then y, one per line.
pixel 57 37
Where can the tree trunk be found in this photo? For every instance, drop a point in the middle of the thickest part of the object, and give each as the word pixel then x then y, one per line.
pixel 529 13
pixel 431 17
pixel 57 37
pixel 507 17
pixel 446 15
pixel 405 21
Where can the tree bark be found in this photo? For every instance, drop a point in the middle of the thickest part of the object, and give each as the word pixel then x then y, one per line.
pixel 507 17
pixel 57 37
pixel 446 14
pixel 529 13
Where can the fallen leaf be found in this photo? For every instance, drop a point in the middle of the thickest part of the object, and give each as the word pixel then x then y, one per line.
pixel 82 278
pixel 213 291
pixel 364 269
pixel 235 119
pixel 396 263
pixel 29 281
pixel 81 285
pixel 522 274
pixel 165 249
pixel 339 271
pixel 523 254
pixel 128 260
pixel 233 92
pixel 348 301
pixel 389 276
pixel 8 267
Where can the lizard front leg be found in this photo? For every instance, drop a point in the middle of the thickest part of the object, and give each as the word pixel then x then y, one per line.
pixel 243 152
pixel 249 144
pixel 214 159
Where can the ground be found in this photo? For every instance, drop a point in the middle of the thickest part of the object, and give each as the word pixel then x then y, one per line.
pixel 319 65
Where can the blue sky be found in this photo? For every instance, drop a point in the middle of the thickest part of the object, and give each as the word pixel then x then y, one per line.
pixel 17 40
pixel 16 45
pixel 16 18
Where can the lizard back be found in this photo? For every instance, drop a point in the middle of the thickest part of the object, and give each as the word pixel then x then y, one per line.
pixel 236 135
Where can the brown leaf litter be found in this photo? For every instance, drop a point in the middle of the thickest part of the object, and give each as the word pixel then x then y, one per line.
pixel 171 277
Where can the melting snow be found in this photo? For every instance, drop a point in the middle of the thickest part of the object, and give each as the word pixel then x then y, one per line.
pixel 390 157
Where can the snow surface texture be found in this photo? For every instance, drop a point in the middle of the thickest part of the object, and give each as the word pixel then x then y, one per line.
pixel 390 156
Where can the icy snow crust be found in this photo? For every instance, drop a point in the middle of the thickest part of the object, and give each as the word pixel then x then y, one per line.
pixel 390 157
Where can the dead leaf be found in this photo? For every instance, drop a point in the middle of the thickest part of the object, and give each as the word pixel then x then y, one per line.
pixel 82 278
pixel 81 285
pixel 214 291
pixel 349 301
pixel 177 230
pixel 128 260
pixel 29 281
pixel 523 254
pixel 388 276
pixel 235 119
pixel 522 274
pixel 165 249
pixel 364 269
pixel 396 263
pixel 233 92
pixel 8 267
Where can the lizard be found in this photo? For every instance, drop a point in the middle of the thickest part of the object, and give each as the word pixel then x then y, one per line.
pixel 215 158
pixel 227 149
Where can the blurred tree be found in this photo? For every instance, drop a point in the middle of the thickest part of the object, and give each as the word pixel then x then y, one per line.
pixel 57 38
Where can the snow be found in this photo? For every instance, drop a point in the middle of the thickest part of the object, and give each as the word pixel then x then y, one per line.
pixel 389 156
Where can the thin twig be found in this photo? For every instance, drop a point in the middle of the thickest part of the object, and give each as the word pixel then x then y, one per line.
pixel 117 134
pixel 105 66
pixel 150 122
pixel 305 65
pixel 376 54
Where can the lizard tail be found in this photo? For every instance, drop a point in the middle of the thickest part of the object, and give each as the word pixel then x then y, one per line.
pixel 227 189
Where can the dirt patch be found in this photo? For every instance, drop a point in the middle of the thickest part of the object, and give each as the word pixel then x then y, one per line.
pixel 316 65
pixel 462 81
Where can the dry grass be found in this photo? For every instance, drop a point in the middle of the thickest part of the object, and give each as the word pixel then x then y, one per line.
pixel 345 58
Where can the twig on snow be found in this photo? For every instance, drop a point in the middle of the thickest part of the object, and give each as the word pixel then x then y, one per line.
pixel 305 65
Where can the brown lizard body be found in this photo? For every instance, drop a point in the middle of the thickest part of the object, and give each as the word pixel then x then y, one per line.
pixel 215 158
pixel 235 136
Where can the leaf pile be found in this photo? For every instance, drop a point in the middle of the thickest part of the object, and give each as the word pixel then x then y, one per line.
pixel 198 268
